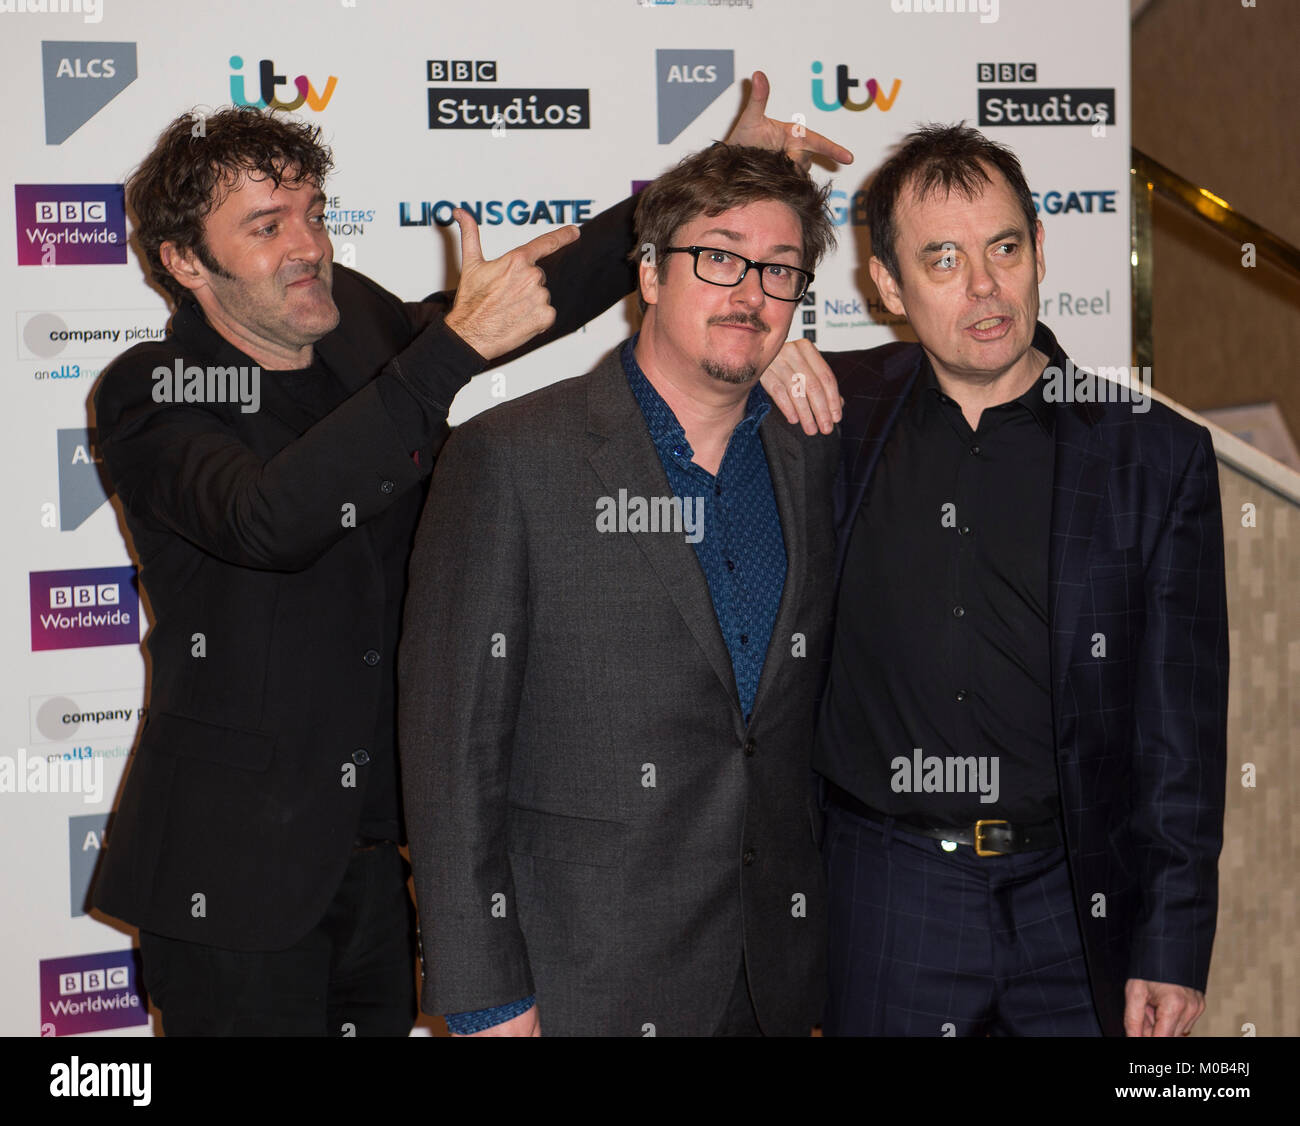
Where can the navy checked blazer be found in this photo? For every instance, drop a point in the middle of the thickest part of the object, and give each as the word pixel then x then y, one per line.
pixel 1135 556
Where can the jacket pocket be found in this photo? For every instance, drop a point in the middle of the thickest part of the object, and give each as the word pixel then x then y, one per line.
pixel 196 739
pixel 573 840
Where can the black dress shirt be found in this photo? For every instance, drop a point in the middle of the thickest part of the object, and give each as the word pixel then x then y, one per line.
pixel 939 704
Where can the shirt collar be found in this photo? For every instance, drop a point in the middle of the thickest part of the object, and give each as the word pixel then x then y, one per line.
pixel 665 431
pixel 928 392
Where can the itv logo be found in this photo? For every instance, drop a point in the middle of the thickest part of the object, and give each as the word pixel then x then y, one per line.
pixel 844 87
pixel 268 84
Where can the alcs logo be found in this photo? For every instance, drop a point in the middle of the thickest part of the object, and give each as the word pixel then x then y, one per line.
pixel 269 81
pixel 844 85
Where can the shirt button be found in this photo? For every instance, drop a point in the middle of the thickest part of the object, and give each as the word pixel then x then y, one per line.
pixel 678 451
pixel 964 530
pixel 717 490
pixel 730 565
pixel 371 656
pixel 744 639
pixel 961 695
pixel 361 757
pixel 958 612
pixel 748 858
pixel 975 450
pixel 386 486
pixel 750 748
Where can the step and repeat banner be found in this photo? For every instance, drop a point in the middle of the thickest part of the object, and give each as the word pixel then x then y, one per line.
pixel 528 115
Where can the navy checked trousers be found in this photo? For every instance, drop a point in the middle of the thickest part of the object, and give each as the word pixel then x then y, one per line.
pixel 926 942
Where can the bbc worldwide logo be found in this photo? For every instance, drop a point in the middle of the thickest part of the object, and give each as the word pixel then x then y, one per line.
pixel 83 608
pixel 70 224
pixel 91 993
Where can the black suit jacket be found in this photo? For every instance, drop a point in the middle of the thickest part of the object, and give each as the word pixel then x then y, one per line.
pixel 1136 556
pixel 243 799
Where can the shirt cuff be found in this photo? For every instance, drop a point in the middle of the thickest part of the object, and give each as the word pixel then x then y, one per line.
pixel 462 1024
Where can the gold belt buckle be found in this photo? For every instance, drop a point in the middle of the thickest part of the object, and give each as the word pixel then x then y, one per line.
pixel 980 850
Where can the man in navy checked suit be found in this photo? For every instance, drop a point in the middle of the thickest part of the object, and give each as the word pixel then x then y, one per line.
pixel 1023 734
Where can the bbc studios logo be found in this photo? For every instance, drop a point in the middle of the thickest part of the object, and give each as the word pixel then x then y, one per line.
pixel 476 102
pixel 1016 99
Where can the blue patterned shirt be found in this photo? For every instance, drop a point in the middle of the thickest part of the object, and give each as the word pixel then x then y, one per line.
pixel 742 551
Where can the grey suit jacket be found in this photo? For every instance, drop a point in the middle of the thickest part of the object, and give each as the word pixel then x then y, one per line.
pixel 589 818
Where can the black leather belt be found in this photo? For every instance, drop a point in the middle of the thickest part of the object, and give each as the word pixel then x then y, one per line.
pixel 990 837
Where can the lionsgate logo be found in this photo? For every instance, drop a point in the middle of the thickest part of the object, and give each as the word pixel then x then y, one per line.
pixel 496 108
pixel 947 774
pixel 211 384
pixel 681 515
pixel 1073 384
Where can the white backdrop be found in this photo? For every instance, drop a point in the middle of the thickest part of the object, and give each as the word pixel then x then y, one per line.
pixel 90 88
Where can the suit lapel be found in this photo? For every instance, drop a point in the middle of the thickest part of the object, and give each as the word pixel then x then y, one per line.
pixel 625 458
pixel 871 404
pixel 1081 467
pixel 787 468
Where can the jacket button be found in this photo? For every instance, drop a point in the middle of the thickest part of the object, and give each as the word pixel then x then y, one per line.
pixel 361 757
pixel 750 748
pixel 386 486
pixel 371 656
pixel 748 858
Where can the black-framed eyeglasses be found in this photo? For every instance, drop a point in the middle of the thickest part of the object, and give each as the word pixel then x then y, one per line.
pixel 727 268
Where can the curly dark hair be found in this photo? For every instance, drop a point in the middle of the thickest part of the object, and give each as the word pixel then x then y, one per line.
pixel 724 176
pixel 198 159
pixel 939 160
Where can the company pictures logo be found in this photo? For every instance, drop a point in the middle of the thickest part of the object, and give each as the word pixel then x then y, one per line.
pixel 688 82
pixel 487 106
pixel 91 993
pixel 70 224
pixel 80 79
pixel 845 85
pixel 1090 105
pixel 268 87
pixel 82 608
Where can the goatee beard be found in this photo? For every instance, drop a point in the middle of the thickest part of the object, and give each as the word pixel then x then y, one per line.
pixel 745 373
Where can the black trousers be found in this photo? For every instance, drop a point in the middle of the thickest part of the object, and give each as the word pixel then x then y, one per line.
pixel 353 974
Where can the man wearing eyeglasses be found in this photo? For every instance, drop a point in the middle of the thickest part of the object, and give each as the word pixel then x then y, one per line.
pixel 620 590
